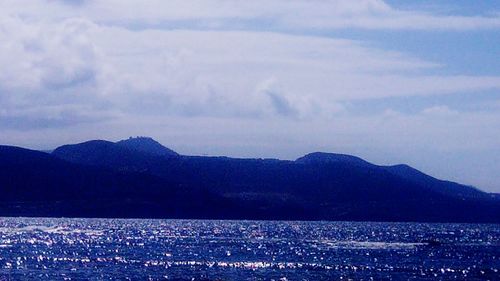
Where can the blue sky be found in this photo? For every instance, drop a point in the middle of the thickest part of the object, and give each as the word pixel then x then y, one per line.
pixel 414 82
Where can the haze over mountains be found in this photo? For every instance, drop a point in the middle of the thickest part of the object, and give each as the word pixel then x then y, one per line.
pixel 139 177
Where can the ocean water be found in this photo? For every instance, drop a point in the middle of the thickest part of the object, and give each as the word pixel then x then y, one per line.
pixel 100 249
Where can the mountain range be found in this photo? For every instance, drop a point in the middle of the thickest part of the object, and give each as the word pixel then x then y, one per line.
pixel 140 178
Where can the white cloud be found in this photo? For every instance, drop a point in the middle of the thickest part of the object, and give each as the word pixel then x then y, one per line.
pixel 390 19
pixel 48 66
pixel 440 110
pixel 189 67
pixel 116 71
pixel 277 14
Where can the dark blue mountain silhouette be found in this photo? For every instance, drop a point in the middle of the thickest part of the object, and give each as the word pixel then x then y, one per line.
pixel 34 183
pixel 325 158
pixel 147 145
pixel 134 178
pixel 445 187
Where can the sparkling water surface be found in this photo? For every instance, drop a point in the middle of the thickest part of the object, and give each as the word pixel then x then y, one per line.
pixel 138 249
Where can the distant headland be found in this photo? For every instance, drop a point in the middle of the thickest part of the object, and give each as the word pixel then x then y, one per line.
pixel 141 178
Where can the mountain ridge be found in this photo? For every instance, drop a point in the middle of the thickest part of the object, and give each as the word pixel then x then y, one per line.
pixel 118 181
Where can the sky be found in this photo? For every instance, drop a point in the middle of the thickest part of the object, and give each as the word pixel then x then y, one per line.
pixel 415 82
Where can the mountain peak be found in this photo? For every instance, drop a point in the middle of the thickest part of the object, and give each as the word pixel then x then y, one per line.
pixel 148 145
pixel 324 157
